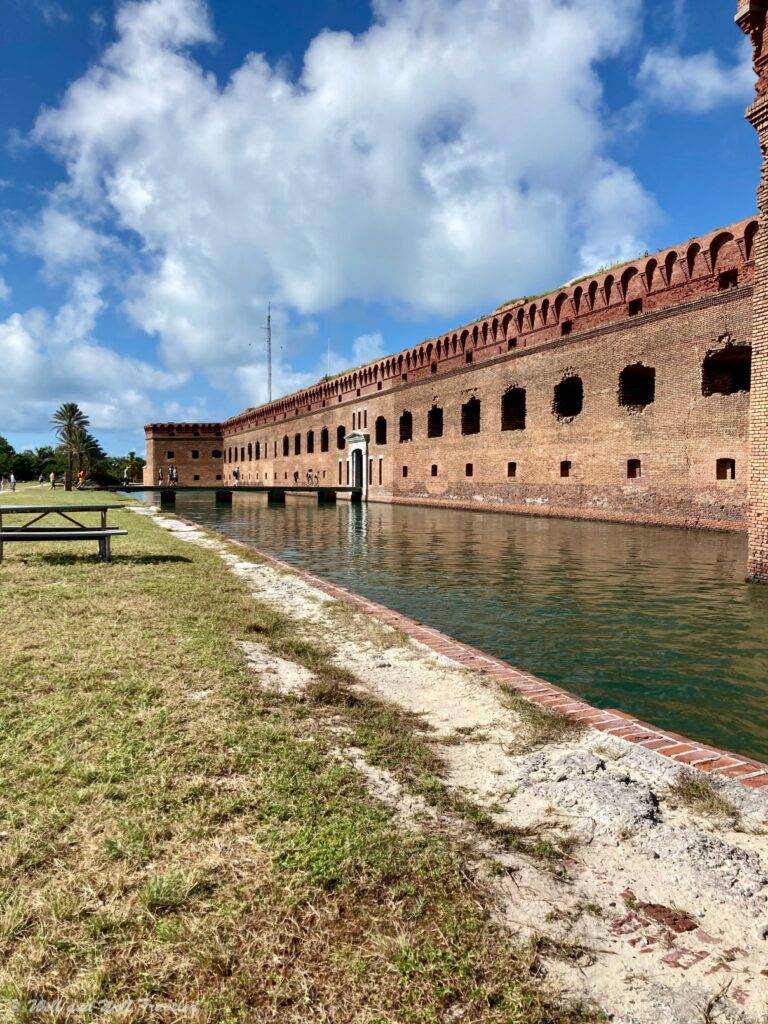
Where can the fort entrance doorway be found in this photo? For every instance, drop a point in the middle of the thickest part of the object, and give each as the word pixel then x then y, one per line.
pixel 358 460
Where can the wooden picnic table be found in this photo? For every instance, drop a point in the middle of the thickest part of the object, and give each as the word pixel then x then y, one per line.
pixel 41 511
pixel 75 530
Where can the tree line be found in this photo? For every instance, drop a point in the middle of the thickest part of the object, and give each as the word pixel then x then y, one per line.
pixel 75 449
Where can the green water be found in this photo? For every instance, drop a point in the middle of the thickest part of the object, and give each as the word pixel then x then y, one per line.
pixel 657 622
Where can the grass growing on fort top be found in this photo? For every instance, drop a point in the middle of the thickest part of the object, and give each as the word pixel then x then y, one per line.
pixel 170 834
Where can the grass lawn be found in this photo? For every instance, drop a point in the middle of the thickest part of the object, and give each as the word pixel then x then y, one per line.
pixel 177 841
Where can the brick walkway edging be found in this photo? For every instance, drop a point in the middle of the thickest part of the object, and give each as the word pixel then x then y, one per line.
pixel 677 748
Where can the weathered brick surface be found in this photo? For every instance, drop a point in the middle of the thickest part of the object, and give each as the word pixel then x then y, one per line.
pixel 195 449
pixel 751 17
pixel 696 298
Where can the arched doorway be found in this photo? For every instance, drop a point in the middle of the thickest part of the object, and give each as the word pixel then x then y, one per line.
pixel 357 468
pixel 357 443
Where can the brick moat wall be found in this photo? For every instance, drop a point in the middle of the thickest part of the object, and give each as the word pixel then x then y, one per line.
pixel 637 408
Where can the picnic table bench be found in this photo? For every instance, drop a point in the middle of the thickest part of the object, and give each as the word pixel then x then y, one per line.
pixel 29 532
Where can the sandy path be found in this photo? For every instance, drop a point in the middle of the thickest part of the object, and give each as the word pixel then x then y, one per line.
pixel 639 855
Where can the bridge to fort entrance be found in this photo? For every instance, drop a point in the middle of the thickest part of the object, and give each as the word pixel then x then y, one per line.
pixel 279 494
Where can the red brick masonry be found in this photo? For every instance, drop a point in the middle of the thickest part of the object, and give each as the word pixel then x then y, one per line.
pixel 685 752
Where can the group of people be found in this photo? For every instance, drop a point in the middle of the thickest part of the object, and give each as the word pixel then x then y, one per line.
pixel 8 480
pixel 313 479
pixel 173 476
pixel 53 480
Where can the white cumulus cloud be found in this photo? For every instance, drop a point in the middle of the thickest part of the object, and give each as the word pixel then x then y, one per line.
pixel 451 155
pixel 49 359
pixel 696 83
pixel 367 347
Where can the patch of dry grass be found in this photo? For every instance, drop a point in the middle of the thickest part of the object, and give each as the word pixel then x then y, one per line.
pixel 354 623
pixel 212 853
pixel 539 726
pixel 693 790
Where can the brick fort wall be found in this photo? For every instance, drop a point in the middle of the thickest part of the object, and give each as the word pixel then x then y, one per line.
pixel 624 396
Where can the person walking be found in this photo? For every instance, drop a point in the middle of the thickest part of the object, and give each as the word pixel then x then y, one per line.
pixel 3 482
pixel 160 476
pixel 126 476
pixel 52 478
pixel 12 481
pixel 41 479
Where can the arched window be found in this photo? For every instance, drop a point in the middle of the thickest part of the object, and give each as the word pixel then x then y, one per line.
pixel 470 416
pixel 626 280
pixel 637 386
pixel 435 422
pixel 250 452
pixel 670 261
pixel 216 453
pixel 258 450
pixel 749 237
pixel 380 430
pixel 727 371
pixel 513 409
pixel 324 439
pixel 310 442
pixel 406 427
pixel 723 251
pixel 569 398
pixel 341 437
pixel 286 446
pixel 297 444
pixel 691 256
pixel 650 273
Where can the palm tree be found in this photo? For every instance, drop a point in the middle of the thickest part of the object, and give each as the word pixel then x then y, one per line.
pixel 132 466
pixel 71 423
pixel 87 449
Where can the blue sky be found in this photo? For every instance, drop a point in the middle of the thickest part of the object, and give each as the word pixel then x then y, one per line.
pixel 380 173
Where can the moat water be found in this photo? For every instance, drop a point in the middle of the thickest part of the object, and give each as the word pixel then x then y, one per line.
pixel 656 622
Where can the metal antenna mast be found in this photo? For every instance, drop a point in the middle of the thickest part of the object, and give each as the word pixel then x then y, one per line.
pixel 269 350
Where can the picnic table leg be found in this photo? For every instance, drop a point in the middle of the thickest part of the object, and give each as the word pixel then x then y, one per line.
pixel 107 549
pixel 103 519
